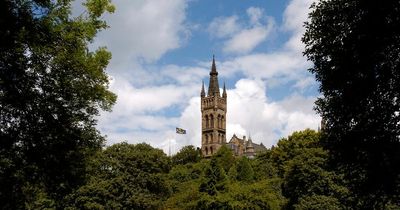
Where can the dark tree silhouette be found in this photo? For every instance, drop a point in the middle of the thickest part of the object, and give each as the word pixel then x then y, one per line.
pixel 355 48
pixel 51 87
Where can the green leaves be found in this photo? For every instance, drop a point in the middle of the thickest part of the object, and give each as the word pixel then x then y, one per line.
pixel 354 46
pixel 125 176
pixel 51 89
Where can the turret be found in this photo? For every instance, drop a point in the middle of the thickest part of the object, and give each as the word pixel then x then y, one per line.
pixel 203 93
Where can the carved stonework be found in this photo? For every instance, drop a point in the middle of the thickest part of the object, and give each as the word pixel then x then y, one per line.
pixel 213 113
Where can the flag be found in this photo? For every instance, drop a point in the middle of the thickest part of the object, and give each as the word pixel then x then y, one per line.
pixel 180 131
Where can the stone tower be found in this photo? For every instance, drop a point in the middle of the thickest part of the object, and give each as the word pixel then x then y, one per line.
pixel 213 115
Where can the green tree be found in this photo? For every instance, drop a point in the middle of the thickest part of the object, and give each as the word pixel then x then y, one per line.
pixel 316 202
pixel 125 176
pixel 263 166
pixel 288 148
pixel 308 175
pixel 244 170
pixel 51 88
pixel 188 154
pixel 355 48
pixel 214 178
pixel 225 157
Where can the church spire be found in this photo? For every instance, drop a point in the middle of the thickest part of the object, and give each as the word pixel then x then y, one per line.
pixel 213 67
pixel 203 93
pixel 213 88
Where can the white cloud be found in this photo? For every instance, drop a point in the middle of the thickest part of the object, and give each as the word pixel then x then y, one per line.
pixel 223 26
pixel 255 14
pixel 242 38
pixel 146 30
pixel 143 30
pixel 296 13
pixel 247 39
pixel 250 112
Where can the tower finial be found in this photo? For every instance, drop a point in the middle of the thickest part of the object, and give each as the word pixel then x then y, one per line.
pixel 213 67
pixel 203 93
pixel 224 91
pixel 213 86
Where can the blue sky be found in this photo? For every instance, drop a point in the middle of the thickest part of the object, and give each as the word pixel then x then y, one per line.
pixel 162 51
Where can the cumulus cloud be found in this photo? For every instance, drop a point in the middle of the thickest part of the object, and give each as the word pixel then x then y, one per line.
pixel 247 39
pixel 242 38
pixel 224 26
pixel 153 99
pixel 255 14
pixel 143 30
pixel 251 112
pixel 294 17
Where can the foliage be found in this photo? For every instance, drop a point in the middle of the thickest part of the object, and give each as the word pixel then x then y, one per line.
pixel 260 195
pixel 125 176
pixel 354 46
pixel 289 148
pixel 263 166
pixel 188 154
pixel 316 202
pixel 225 157
pixel 244 170
pixel 214 178
pixel 51 88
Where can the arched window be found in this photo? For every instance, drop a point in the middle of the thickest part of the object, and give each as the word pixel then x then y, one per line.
pixel 219 121
pixel 212 121
pixel 211 138
pixel 206 139
pixel 206 151
pixel 211 150
pixel 207 121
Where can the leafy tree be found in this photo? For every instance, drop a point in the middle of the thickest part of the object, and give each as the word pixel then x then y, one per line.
pixel 214 178
pixel 225 157
pixel 316 202
pixel 232 173
pixel 260 195
pixel 244 170
pixel 355 48
pixel 125 176
pixel 263 166
pixel 188 154
pixel 51 88
pixel 289 148
pixel 307 175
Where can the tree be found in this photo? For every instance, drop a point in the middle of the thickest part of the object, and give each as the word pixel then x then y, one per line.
pixel 355 48
pixel 214 180
pixel 125 176
pixel 188 154
pixel 244 170
pixel 51 88
pixel 225 157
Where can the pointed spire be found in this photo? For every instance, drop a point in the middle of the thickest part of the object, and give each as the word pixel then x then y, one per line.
pixel 203 93
pixel 249 144
pixel 224 91
pixel 213 88
pixel 213 67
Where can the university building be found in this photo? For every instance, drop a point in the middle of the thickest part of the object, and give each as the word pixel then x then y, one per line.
pixel 213 125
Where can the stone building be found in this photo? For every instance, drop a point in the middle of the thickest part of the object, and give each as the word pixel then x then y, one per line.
pixel 213 115
pixel 243 147
pixel 213 124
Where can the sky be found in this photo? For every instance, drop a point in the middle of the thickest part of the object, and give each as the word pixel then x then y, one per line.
pixel 162 51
